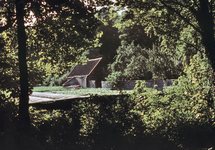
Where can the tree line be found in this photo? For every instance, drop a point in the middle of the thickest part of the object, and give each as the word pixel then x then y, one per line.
pixel 64 29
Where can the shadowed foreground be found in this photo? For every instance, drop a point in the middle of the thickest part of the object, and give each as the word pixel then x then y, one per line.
pixel 97 123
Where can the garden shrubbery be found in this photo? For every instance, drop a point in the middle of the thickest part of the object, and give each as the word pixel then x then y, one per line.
pixel 181 116
pixel 184 113
pixel 136 63
pixel 55 81
pixel 101 122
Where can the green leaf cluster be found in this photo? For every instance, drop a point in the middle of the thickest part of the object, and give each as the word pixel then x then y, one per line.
pixel 57 33
pixel 55 81
pixel 177 24
pixel 137 63
pixel 189 103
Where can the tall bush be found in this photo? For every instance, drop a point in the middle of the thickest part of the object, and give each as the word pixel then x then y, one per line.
pixel 55 81
pixel 183 113
pixel 137 63
pixel 8 120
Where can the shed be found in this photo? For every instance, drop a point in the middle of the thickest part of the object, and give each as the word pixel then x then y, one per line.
pixel 87 76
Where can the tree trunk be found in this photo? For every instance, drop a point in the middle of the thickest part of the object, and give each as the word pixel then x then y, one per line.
pixel 206 23
pixel 24 119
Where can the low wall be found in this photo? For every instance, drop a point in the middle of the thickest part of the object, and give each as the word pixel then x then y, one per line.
pixel 129 85
pixel 105 85
pixel 92 84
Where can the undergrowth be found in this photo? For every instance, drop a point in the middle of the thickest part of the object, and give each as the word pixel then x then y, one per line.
pixel 181 117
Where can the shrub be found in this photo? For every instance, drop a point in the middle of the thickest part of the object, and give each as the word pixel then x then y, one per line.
pixel 8 120
pixel 137 63
pixel 99 122
pixel 55 81
pixel 182 113
pixel 47 81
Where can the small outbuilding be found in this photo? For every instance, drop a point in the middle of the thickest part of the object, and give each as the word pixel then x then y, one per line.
pixel 87 76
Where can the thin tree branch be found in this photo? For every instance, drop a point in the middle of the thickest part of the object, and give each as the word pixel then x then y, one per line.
pixel 183 18
pixel 196 3
pixel 8 16
pixel 185 6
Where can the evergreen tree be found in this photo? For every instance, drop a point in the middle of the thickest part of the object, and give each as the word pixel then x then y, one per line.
pixel 137 35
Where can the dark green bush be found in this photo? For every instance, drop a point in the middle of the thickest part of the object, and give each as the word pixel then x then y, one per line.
pixel 136 63
pixel 96 123
pixel 100 122
pixel 183 113
pixel 146 119
pixel 8 120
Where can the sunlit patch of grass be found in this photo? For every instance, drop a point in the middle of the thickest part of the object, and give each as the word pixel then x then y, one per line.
pixel 48 88
pixel 81 91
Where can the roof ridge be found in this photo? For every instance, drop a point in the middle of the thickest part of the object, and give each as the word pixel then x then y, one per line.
pixel 91 63
pixel 95 59
pixel 94 66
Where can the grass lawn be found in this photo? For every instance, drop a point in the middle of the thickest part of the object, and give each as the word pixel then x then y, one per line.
pixel 87 91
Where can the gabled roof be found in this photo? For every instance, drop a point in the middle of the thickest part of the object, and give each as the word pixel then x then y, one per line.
pixel 84 70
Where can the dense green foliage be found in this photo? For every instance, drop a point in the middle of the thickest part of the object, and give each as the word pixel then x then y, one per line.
pixel 110 42
pixel 183 27
pixel 108 39
pixel 55 81
pixel 8 77
pixel 114 122
pixel 96 123
pixel 145 119
pixel 53 43
pixel 114 36
pixel 183 111
pixel 8 120
pixel 48 36
pixel 137 35
pixel 181 116
pixel 137 63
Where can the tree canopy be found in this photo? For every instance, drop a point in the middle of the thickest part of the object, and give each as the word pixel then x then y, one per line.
pixel 182 26
pixel 35 33
pixel 137 63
